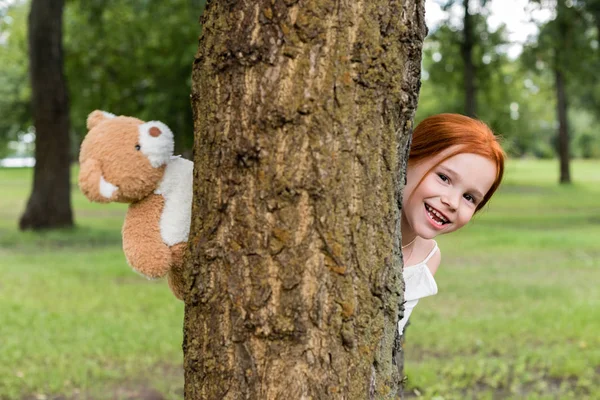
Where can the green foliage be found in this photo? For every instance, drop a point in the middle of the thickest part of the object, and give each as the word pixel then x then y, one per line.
pixel 14 83
pixel 517 314
pixel 133 58
pixel 563 43
pixel 569 44
pixel 128 57
pixel 517 97
pixel 510 99
pixel 586 141
pixel 589 145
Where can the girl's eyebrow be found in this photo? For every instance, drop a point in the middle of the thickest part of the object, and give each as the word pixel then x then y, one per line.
pixel 449 171
pixel 454 175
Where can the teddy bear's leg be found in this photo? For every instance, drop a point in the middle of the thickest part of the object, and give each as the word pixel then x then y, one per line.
pixel 142 243
pixel 175 275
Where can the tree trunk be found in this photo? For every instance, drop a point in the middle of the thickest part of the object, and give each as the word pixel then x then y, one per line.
pixel 561 93
pixel 50 203
pixel 303 112
pixel 469 67
pixel 563 127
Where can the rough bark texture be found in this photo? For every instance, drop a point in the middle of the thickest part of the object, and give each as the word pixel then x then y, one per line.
pixel 50 203
pixel 303 113
pixel 467 56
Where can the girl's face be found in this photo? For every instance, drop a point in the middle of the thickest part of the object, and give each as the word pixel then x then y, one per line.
pixel 448 196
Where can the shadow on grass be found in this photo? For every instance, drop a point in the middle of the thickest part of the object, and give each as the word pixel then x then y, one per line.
pixel 542 387
pixel 147 386
pixel 77 238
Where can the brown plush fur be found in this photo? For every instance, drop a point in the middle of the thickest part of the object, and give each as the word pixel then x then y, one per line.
pixel 109 152
pixel 143 246
pixel 95 118
pixel 89 176
pixel 175 276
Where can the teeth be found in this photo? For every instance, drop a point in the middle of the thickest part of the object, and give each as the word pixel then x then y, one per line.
pixel 431 210
pixel 437 222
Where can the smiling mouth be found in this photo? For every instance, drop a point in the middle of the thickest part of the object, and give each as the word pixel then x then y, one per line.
pixel 436 216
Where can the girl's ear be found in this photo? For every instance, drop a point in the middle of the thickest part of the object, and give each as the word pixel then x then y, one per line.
pixel 97 117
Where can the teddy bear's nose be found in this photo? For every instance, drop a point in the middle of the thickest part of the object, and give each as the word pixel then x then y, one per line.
pixel 154 131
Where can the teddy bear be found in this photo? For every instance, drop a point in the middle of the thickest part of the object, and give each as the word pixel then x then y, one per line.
pixel 124 159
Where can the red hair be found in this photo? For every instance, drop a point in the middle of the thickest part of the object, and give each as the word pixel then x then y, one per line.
pixel 442 131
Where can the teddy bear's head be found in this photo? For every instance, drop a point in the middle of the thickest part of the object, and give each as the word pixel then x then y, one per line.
pixel 122 158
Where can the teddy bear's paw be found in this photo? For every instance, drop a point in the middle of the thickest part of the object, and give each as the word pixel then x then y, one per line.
pixel 92 183
pixel 107 189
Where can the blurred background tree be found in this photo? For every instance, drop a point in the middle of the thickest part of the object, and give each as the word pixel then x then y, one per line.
pixel 564 52
pixel 49 204
pixel 543 100
pixel 123 56
pixel 128 57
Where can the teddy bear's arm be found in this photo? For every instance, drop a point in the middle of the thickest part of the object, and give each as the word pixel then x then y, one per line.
pixel 142 243
pixel 92 183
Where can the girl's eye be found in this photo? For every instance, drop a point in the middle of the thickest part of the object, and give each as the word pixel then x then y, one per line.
pixel 469 198
pixel 443 177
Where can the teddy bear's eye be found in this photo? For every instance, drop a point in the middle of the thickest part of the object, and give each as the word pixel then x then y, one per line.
pixel 137 147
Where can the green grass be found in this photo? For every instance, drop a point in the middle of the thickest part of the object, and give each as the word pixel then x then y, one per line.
pixel 518 310
pixel 76 321
pixel 517 314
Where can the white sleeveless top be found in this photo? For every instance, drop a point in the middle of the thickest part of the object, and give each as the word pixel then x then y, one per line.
pixel 418 283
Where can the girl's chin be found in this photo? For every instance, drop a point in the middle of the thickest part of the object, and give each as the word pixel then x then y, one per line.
pixel 429 235
pixel 429 232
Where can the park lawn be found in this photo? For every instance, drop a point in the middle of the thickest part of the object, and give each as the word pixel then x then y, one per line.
pixel 518 309
pixel 517 313
pixel 76 322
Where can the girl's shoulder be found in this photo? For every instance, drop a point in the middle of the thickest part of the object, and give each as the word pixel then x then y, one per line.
pixel 427 251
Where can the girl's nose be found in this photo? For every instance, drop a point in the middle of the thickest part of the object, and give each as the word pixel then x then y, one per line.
pixel 450 199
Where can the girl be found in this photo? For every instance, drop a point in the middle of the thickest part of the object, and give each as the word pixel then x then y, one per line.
pixel 454 167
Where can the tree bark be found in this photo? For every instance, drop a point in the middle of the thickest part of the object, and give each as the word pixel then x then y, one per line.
pixel 303 112
pixel 469 67
pixel 49 205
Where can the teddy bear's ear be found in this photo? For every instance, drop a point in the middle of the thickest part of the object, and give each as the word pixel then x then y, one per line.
pixel 96 117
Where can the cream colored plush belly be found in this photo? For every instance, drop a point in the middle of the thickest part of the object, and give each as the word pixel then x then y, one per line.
pixel 176 188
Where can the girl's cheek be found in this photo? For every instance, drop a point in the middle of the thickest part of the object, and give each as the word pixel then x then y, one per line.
pixel 469 217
